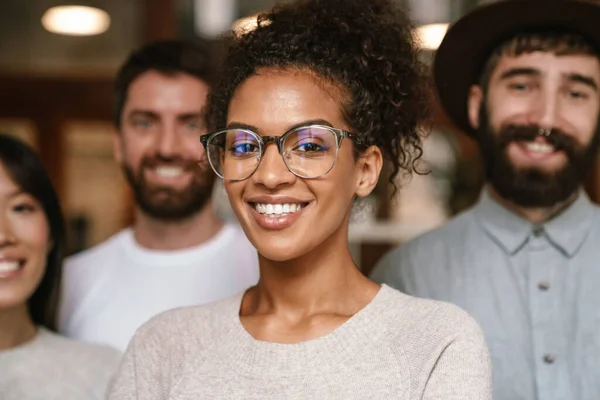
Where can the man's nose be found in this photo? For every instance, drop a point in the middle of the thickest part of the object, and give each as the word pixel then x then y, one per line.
pixel 168 141
pixel 545 110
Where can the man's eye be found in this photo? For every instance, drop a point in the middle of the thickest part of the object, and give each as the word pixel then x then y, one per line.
pixel 575 94
pixel 194 125
pixel 142 123
pixel 520 87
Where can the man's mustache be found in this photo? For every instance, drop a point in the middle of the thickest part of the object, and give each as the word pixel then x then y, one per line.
pixel 152 162
pixel 559 139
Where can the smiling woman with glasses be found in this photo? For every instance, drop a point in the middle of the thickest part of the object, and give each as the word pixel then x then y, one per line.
pixel 308 106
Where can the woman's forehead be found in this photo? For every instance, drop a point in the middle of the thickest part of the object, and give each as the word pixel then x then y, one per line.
pixel 283 98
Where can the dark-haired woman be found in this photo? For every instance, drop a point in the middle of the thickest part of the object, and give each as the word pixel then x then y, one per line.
pixel 308 105
pixel 35 362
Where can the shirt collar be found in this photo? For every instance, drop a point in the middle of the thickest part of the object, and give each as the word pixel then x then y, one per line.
pixel 566 231
pixel 569 229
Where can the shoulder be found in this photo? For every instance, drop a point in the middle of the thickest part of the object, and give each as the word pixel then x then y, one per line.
pixel 180 326
pixel 422 331
pixel 432 244
pixel 428 321
pixel 82 273
pixel 441 345
pixel 595 209
pixel 452 231
pixel 98 253
pixel 61 368
pixel 95 360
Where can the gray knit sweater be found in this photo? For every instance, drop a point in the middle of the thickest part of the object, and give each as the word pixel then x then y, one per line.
pixel 397 347
pixel 52 367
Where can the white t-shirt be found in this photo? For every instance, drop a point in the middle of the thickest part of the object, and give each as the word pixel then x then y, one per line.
pixel 111 289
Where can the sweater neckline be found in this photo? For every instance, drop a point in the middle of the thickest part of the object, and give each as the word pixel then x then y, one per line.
pixel 253 356
pixel 40 336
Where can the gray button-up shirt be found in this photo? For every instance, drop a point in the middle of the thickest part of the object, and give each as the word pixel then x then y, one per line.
pixel 535 291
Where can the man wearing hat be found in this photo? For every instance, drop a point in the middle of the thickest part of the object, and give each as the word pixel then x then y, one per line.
pixel 522 77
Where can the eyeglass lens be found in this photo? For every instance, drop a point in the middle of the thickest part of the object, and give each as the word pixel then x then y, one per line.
pixel 308 152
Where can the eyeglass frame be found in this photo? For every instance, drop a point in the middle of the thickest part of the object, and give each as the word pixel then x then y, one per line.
pixel 263 141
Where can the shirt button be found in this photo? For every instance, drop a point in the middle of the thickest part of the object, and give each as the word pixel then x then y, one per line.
pixel 543 285
pixel 538 231
pixel 548 358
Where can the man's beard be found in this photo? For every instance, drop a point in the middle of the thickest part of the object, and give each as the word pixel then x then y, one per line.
pixel 166 203
pixel 533 187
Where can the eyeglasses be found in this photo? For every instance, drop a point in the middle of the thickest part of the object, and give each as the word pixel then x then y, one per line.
pixel 308 151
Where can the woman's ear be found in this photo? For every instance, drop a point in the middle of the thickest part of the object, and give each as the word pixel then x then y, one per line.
pixel 369 167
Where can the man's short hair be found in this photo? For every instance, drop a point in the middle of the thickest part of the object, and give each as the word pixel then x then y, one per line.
pixel 559 43
pixel 169 57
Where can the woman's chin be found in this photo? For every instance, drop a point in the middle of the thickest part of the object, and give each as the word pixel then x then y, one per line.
pixel 278 256
pixel 278 253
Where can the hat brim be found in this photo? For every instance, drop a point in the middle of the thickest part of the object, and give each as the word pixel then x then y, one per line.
pixel 470 41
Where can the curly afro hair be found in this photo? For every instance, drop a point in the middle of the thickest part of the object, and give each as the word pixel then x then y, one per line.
pixel 365 48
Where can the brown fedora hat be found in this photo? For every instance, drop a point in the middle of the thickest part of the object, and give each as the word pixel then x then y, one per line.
pixel 470 41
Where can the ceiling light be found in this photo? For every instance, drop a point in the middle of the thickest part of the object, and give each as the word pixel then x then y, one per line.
pixel 213 17
pixel 430 36
pixel 76 20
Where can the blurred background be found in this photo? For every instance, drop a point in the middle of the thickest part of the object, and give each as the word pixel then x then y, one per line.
pixel 56 74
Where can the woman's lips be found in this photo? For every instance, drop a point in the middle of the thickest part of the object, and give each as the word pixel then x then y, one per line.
pixel 10 267
pixel 276 216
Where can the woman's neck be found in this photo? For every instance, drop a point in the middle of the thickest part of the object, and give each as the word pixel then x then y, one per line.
pixel 16 327
pixel 325 279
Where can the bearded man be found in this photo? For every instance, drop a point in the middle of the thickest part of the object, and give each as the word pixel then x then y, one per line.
pixel 522 77
pixel 178 252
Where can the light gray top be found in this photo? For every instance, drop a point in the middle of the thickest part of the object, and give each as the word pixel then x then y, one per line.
pixel 533 289
pixel 397 347
pixel 51 367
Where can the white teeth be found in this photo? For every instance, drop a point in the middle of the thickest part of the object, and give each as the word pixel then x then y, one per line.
pixel 168 172
pixel 277 209
pixel 537 147
pixel 7 266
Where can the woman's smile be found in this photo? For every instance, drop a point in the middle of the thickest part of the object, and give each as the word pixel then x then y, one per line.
pixel 276 212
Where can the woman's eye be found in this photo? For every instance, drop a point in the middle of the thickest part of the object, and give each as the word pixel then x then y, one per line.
pixel 243 148
pixel 310 147
pixel 24 208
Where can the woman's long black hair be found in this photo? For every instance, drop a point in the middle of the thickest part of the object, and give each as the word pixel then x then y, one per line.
pixel 28 173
